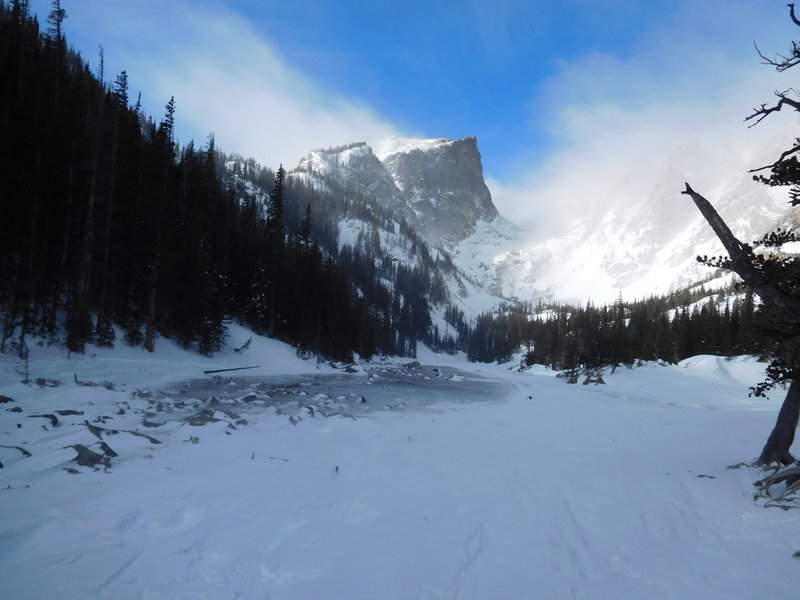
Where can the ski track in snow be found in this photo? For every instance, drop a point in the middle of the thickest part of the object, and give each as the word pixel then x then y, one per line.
pixel 499 485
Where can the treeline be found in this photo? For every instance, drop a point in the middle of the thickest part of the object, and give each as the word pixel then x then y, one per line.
pixel 669 328
pixel 107 222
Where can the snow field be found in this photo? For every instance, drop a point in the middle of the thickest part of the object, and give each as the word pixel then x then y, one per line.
pixel 547 490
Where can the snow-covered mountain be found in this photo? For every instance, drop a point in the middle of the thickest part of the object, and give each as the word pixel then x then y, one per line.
pixel 636 239
pixel 644 239
pixel 442 183
pixel 437 187
pixel 641 239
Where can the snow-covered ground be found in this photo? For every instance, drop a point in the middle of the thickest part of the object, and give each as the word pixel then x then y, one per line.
pixel 470 481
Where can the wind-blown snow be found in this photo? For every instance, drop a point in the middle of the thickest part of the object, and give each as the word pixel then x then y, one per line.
pixel 510 485
pixel 400 145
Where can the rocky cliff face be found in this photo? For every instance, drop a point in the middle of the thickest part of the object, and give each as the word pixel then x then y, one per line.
pixel 435 185
pixel 442 182
pixel 353 168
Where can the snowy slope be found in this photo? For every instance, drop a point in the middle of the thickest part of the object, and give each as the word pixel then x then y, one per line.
pixel 356 171
pixel 640 251
pixel 470 481
pixel 483 256
pixel 631 230
pixel 396 144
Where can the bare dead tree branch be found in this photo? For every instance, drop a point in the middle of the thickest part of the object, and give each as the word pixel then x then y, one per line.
pixel 741 262
pixel 781 158
pixel 782 63
pixel 759 114
pixel 791 13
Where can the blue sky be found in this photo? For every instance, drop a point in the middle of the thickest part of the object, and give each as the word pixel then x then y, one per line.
pixel 547 87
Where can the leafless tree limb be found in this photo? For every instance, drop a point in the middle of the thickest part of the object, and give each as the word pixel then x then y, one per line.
pixel 741 262
pixel 791 13
pixel 782 63
pixel 783 156
pixel 759 114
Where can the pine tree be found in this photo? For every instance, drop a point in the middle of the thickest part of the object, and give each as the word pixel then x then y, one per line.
pixel 162 171
pixel 56 20
pixel 275 225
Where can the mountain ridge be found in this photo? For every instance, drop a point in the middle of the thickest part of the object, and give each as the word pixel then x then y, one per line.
pixel 629 243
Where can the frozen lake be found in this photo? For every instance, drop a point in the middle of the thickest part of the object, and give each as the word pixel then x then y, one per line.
pixel 382 387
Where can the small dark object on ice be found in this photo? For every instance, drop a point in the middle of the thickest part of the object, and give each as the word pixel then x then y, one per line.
pixel 66 413
pixel 204 417
pixel 224 370
pixel 4 399
pixel 80 382
pixel 47 382
pixel 24 452
pixel 88 458
pixel 107 450
pixel 14 409
pixel 594 376
pixel 738 466
pixel 96 431
pixel 53 418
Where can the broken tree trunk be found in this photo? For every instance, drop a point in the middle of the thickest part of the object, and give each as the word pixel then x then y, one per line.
pixel 742 263
pixel 776 450
pixel 741 257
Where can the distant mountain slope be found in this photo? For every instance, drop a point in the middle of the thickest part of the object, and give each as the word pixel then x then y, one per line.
pixel 436 188
pixel 645 241
pixel 428 197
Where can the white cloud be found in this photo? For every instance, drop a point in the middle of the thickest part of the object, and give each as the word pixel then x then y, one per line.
pixel 226 77
pixel 624 128
pixel 255 103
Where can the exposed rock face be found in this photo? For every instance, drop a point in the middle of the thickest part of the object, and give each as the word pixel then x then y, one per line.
pixel 353 168
pixel 436 185
pixel 442 181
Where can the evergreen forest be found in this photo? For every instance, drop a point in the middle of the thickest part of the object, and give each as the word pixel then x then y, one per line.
pixel 666 328
pixel 106 221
